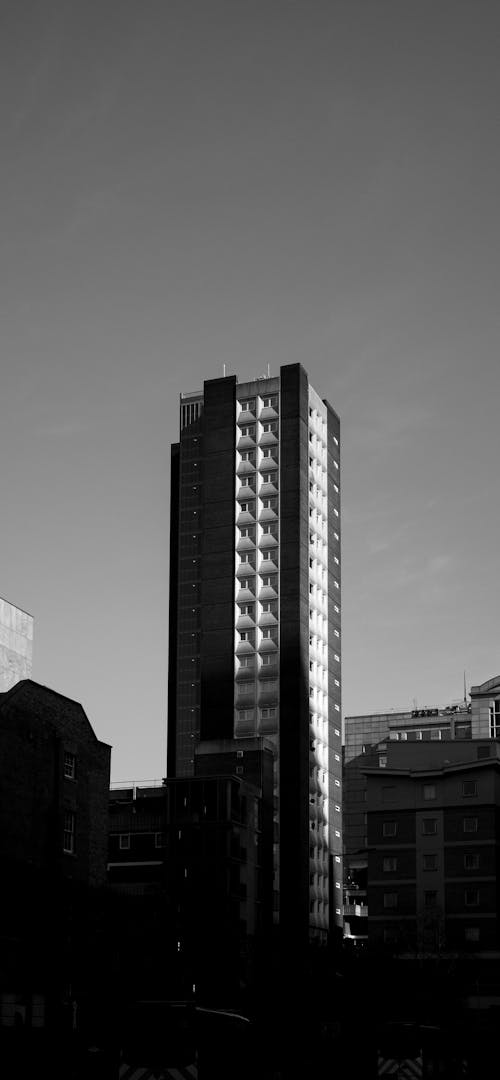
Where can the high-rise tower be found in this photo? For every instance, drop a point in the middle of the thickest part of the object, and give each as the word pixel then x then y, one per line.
pixel 255 614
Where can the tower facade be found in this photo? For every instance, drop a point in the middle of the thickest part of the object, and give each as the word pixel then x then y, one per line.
pixel 255 614
pixel 16 645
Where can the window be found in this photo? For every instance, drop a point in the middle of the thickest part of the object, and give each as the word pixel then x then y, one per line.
pixel 159 839
pixel 471 861
pixel 246 583
pixel 270 427
pixel 469 788
pixel 429 791
pixel 244 507
pixel 471 897
pixel 269 582
pixel 267 530
pixel 124 841
pixel 69 832
pixel 69 766
pixel 246 662
pixel 247 609
pixel 268 713
pixel 267 452
pixel 390 864
pixel 267 633
pixel 269 402
pixel 429 862
pixel 247 534
pixel 250 431
pixel 268 659
pixel 390 900
pixel 245 635
pixel 494 719
pixel 271 477
pixel 248 455
pixel 389 828
pixel 435 734
pixel 248 405
pixel 382 761
pixel 245 558
pixel 239 753
pixel 430 898
pixel 268 504
pixel 470 824
pixel 429 826
pixel 471 933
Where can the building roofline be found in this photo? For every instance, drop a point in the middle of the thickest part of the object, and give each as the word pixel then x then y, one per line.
pixel 16 606
pixel 442 770
pixel 19 686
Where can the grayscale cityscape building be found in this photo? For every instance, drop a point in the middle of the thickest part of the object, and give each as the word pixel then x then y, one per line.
pixel 255 616
pixel 16 645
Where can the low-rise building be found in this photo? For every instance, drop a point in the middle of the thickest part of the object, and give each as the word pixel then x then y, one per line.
pixel 367 739
pixel 433 849
pixel 54 781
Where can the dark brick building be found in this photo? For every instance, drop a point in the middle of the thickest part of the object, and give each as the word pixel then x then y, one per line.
pixel 434 849
pixel 190 862
pixel 54 781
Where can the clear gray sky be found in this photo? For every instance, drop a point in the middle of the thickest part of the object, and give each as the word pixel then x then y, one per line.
pixel 187 184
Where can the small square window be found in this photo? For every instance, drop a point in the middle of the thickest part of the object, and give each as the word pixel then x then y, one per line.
pixel 471 933
pixel 159 841
pixel 390 864
pixel 471 861
pixel 429 791
pixel 389 828
pixel 390 900
pixel 430 898
pixel 469 788
pixel 471 897
pixel 124 841
pixel 429 862
pixel 470 824
pixel 429 826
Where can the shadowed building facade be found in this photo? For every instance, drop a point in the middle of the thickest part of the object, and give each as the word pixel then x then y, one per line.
pixel 255 616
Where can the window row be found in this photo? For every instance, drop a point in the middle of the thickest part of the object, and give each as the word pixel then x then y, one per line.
pixel 268 427
pixel 265 713
pixel 268 402
pixel 429 826
pixel 269 503
pixel 471 898
pixel 471 861
pixel 468 789
pixel 124 840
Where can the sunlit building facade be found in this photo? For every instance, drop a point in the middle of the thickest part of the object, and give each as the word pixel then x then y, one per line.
pixel 16 645
pixel 255 614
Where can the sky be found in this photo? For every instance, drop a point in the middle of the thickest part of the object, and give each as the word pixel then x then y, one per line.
pixel 191 184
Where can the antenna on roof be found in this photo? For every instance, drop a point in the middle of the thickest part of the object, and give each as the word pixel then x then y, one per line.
pixel 465 691
pixel 224 370
pixel 268 371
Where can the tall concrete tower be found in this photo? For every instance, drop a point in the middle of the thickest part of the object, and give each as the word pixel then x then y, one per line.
pixel 255 614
